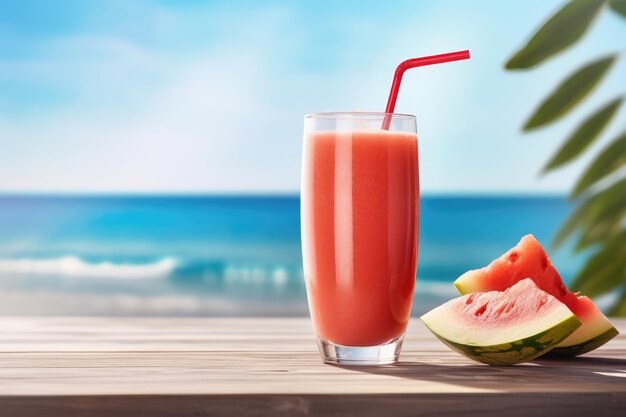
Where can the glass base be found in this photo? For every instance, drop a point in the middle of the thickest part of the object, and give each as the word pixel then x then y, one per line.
pixel 360 355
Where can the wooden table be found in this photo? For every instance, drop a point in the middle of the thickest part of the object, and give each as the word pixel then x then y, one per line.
pixel 196 367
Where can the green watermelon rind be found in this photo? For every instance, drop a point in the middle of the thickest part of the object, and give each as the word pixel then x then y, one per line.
pixel 461 288
pixel 560 351
pixel 582 348
pixel 518 351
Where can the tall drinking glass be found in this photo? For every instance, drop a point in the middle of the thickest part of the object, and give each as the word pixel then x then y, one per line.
pixel 360 219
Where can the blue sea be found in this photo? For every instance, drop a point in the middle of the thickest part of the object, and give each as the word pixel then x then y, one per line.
pixel 225 255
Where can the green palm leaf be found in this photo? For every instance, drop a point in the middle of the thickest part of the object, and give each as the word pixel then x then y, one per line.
pixel 570 92
pixel 603 228
pixel 612 158
pixel 584 135
pixel 618 6
pixel 602 273
pixel 559 32
pixel 602 204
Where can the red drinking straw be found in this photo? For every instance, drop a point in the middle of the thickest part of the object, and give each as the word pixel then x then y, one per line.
pixel 412 63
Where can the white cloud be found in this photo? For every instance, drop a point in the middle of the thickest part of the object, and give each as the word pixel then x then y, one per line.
pixel 226 114
pixel 209 127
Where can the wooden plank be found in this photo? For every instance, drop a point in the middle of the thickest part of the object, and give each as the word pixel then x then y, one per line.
pixel 523 405
pixel 197 366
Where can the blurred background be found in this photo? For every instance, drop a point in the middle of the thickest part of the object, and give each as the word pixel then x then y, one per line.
pixel 150 150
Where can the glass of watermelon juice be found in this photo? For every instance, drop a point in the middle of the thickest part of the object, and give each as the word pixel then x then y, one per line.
pixel 360 218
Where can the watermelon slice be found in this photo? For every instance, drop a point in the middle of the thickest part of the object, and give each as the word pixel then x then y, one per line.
pixel 503 327
pixel 529 260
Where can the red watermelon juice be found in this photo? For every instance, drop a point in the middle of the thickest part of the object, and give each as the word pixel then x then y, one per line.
pixel 360 193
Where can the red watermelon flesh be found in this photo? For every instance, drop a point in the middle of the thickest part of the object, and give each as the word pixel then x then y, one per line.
pixel 529 260
pixel 506 327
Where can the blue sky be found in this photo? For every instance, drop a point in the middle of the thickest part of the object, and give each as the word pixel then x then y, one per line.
pixel 191 96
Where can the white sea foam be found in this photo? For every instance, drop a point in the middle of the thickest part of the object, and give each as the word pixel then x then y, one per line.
pixel 277 276
pixel 280 277
pixel 71 266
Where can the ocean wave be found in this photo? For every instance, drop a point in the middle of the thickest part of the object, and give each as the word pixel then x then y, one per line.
pixel 171 268
pixel 71 266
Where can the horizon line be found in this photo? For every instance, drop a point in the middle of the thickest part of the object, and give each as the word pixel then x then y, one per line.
pixel 272 194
